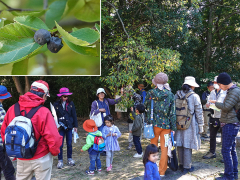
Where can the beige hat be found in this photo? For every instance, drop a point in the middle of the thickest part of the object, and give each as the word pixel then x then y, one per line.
pixel 189 80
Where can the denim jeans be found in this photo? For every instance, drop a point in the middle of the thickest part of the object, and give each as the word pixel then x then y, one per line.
pixel 94 158
pixel 6 166
pixel 229 133
pixel 68 134
pixel 137 143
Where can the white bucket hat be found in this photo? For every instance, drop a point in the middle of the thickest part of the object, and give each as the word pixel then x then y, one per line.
pixel 189 80
pixel 99 90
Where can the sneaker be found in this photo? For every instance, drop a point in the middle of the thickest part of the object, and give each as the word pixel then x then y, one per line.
pixel 138 155
pixel 235 177
pixel 188 170
pixel 209 155
pixel 60 164
pixel 71 162
pixel 221 178
pixel 129 147
pixel 109 168
pixel 205 136
pixel 90 172
pixel 162 175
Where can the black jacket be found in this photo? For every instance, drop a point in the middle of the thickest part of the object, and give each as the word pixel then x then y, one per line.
pixel 70 116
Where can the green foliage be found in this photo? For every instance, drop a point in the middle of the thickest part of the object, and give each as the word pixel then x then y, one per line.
pixel 16 39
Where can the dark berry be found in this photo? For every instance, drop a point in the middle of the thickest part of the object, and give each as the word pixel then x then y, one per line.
pixel 42 36
pixel 55 44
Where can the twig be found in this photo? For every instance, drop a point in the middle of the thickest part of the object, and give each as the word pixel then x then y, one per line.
pixel 45 4
pixel 119 18
pixel 12 9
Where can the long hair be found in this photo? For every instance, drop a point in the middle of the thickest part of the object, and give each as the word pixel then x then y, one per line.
pixel 150 149
pixel 186 88
pixel 60 99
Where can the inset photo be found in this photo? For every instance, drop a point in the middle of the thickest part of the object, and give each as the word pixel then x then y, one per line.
pixel 50 37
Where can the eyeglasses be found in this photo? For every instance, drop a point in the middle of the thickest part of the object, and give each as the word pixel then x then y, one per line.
pixel 64 96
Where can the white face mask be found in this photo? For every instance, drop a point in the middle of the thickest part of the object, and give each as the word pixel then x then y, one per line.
pixel 216 86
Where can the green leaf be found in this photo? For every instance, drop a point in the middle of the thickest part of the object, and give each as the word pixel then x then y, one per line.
pixel 81 50
pixel 81 37
pixel 87 10
pixel 16 43
pixel 55 12
pixel 98 28
pixel 1 22
pixel 20 68
pixel 74 29
pixel 31 22
pixel 28 13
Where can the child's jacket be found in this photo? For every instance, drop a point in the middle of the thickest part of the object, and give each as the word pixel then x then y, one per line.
pixel 90 142
pixel 111 142
pixel 151 171
pixel 137 124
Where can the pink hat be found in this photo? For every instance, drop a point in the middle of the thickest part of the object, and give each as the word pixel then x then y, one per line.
pixel 40 86
pixel 64 91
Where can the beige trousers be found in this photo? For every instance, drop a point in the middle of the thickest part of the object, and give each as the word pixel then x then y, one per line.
pixel 41 167
pixel 206 121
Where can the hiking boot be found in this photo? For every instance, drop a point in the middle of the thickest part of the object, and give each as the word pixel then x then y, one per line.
pixel 71 162
pixel 90 172
pixel 188 170
pixel 60 164
pixel 138 155
pixel 209 155
pixel 205 136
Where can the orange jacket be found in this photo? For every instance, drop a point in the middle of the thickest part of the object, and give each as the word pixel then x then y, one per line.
pixel 43 125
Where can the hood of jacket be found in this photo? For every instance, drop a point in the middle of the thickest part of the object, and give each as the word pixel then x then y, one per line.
pixel 182 94
pixel 30 100
pixel 96 133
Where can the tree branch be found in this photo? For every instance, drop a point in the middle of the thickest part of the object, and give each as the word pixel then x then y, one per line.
pixel 119 18
pixel 12 9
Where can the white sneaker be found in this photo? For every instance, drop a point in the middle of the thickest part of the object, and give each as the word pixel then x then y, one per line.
pixel 138 155
pixel 162 175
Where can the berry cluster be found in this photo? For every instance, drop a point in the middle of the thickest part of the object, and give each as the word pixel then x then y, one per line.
pixel 42 36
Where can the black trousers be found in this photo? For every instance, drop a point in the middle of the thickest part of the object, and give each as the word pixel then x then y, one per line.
pixel 6 166
pixel 214 125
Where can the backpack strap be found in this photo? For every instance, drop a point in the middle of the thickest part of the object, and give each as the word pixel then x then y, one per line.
pixel 188 94
pixel 17 109
pixel 29 114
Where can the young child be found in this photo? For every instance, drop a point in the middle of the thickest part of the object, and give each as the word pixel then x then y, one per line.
pixel 5 162
pixel 149 160
pixel 90 126
pixel 137 128
pixel 110 133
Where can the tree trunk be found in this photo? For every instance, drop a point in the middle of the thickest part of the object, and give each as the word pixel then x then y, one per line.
pixel 209 40
pixel 18 85
pixel 27 85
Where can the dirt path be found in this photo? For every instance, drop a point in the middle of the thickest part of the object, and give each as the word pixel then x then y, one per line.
pixel 127 167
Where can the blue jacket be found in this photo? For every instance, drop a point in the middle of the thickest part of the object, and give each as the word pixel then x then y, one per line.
pixel 69 114
pixel 151 171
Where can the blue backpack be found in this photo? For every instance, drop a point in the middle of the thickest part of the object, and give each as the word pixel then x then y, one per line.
pixel 98 144
pixel 20 141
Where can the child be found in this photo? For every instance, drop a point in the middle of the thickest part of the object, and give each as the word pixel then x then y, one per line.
pixel 137 100
pixel 90 126
pixel 110 134
pixel 137 128
pixel 149 160
pixel 5 163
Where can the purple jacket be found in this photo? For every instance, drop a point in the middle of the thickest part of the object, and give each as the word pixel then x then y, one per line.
pixel 107 101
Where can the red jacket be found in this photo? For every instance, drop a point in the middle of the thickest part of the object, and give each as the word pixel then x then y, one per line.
pixel 43 125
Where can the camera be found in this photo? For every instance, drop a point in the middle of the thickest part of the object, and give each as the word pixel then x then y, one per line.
pixel 61 123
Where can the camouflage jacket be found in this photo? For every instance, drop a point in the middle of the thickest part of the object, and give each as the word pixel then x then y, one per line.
pixel 164 111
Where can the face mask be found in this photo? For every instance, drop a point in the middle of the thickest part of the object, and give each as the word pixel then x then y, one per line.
pixel 216 86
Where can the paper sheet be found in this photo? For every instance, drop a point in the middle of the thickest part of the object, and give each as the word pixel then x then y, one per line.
pixel 213 106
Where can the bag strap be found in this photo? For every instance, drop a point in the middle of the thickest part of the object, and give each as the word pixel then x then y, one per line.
pixel 29 114
pixel 151 109
pixel 97 104
pixel 188 94
pixel 172 138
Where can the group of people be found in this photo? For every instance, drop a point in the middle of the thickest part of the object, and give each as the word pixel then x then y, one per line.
pixel 156 107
